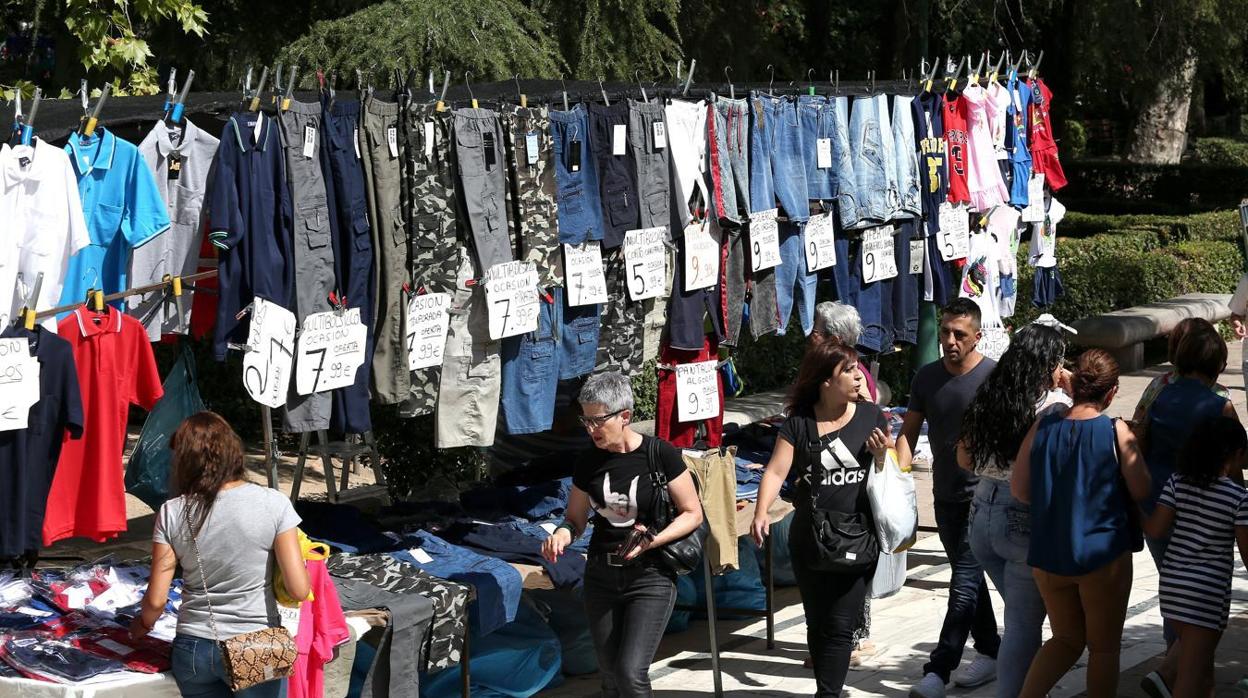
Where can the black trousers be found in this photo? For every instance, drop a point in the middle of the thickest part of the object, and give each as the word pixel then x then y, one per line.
pixel 628 609
pixel 832 603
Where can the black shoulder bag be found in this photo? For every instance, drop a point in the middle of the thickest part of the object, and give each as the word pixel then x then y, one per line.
pixel 841 542
pixel 680 556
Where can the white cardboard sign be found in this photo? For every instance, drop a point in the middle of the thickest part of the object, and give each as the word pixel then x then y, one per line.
pixel 270 353
pixel 331 349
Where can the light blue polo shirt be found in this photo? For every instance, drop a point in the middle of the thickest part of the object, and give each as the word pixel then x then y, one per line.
pixel 122 207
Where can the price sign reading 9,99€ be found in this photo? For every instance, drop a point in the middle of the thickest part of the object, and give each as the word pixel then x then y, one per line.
pixel 701 257
pixel 331 350
pixel 697 391
pixel 511 295
pixel 270 353
pixel 764 239
pixel 820 242
pixel 879 261
pixel 428 320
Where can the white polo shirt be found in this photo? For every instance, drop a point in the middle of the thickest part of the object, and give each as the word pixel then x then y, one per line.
pixel 41 224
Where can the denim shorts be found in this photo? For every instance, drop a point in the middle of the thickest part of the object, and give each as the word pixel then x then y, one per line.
pixel 579 209
pixel 578 339
pixel 531 371
pixel 817 124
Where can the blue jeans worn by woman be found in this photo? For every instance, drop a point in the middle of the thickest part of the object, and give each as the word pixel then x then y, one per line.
pixel 628 608
pixel 1000 535
pixel 200 673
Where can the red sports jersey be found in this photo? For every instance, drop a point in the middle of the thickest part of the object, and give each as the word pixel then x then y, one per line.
pixel 1043 146
pixel 116 369
pixel 956 144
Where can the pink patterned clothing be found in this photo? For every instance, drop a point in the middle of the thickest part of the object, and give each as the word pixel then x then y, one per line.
pixel 983 176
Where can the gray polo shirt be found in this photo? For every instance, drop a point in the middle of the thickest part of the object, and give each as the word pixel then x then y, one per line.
pixel 181 170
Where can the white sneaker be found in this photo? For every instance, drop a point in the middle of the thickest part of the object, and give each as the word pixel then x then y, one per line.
pixel 980 672
pixel 930 687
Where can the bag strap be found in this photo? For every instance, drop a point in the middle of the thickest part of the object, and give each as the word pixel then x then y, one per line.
pixel 657 476
pixel 190 531
pixel 1113 423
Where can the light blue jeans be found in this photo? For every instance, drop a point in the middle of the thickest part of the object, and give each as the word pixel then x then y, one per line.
pixel 200 673
pixel 1000 535
pixel 793 283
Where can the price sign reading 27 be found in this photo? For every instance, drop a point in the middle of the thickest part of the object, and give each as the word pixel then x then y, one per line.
pixel 270 352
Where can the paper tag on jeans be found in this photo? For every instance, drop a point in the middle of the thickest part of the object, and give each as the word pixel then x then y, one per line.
pixel 549 527
pixel 820 241
pixel 583 274
pixel 764 236
pixel 645 262
pixel 428 140
pixel 309 141
pixel 879 260
pixel 917 247
pixel 1034 213
pixel 697 391
pixel 330 350
pixel 270 353
pixel 660 135
pixel 392 141
pixel 531 148
pixel 955 231
pixel 823 151
pixel 421 556
pixel 428 320
pixel 511 296
pixel 701 257
pixel 619 139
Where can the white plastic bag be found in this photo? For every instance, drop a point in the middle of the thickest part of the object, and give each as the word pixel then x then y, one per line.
pixel 890 575
pixel 894 506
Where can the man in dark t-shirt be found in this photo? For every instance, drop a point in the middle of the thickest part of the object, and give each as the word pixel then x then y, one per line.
pixel 939 395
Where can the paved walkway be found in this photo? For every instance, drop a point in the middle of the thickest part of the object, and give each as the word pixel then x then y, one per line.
pixel 905 626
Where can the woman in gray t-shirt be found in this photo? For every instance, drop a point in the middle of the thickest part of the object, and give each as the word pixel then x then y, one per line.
pixel 238 528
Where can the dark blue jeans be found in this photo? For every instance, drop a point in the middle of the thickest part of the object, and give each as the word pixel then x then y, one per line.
pixel 628 608
pixel 969 613
pixel 200 673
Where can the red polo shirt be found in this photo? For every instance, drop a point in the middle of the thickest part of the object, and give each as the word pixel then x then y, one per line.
pixel 116 369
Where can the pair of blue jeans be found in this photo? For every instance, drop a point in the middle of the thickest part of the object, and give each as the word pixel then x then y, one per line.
pixel 576 177
pixel 969 613
pixel 530 371
pixel 1000 536
pixel 777 167
pixel 200 672
pixel 792 280
pixel 872 160
pixel 906 157
pixel 817 123
pixel 869 298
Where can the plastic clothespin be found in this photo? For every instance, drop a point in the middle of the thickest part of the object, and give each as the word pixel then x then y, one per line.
pixel 545 295
pixel 171 88
pixel 94 119
pixel 180 105
pixel 446 82
pixel 290 87
pixel 28 318
pixel 255 98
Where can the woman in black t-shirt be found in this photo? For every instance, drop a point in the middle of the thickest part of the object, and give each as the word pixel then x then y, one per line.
pixel 629 594
pixel 832 440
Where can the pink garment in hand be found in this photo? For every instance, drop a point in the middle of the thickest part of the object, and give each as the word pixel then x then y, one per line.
pixel 322 627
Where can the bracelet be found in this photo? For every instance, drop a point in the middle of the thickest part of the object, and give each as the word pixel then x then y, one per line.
pixel 570 528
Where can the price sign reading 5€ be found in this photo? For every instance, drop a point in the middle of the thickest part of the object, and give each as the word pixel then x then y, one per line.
pixel 697 391
pixel 331 350
pixel 955 231
pixel 645 262
pixel 270 353
pixel 428 321
pixel 511 295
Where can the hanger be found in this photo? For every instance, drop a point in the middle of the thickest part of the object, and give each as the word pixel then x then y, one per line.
pixel 1021 57
pixel 951 84
pixel 88 127
pixel 564 85
pixel 732 91
pixel 1035 67
pixel 95 297
pixel 834 81
pixel 171 89
pixel 637 77
pixel 693 64
pixel 810 82
pixel 771 70
pixel 973 78
pixel 524 99
pixel 929 78
pixel 179 104
pixel 23 125
pixel 604 92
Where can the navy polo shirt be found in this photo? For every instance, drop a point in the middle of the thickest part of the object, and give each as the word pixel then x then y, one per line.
pixel 28 456
pixel 250 223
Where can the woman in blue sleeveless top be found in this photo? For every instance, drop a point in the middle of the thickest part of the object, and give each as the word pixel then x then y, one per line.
pixel 1081 471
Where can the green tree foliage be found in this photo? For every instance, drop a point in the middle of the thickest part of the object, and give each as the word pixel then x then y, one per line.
pixel 615 38
pixel 492 38
pixel 110 36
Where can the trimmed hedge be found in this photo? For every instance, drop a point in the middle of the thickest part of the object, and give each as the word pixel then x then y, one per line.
pixel 1213 225
pixel 1228 152
pixel 1122 187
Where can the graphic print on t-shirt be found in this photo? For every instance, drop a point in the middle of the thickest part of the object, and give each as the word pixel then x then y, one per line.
pixel 975 280
pixel 840 467
pixel 619 508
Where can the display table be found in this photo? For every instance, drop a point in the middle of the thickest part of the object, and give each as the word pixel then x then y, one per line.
pixel 130 685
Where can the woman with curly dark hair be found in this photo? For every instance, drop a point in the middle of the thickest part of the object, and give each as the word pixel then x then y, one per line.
pixel 1028 381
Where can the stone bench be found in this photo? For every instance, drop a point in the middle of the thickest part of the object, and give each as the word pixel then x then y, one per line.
pixel 1123 332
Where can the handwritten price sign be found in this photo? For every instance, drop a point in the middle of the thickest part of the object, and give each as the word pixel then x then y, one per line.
pixel 697 391
pixel 701 257
pixel 428 320
pixel 820 244
pixel 585 280
pixel 511 295
pixel 645 261
pixel 331 350
pixel 270 353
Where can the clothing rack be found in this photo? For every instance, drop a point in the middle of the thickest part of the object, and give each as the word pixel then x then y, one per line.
pixel 174 284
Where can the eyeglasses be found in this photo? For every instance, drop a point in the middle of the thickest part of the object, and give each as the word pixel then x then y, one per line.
pixel 597 421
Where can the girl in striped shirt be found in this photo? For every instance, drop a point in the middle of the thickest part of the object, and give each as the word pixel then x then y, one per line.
pixel 1205 514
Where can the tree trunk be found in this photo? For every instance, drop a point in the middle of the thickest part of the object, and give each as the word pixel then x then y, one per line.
pixel 1159 134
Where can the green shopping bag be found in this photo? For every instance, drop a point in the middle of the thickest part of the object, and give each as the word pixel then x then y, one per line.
pixel 149 470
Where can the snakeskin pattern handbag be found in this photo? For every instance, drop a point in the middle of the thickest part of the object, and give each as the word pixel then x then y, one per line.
pixel 252 658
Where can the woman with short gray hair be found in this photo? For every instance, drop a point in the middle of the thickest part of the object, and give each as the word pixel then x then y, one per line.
pixel 629 592
pixel 837 321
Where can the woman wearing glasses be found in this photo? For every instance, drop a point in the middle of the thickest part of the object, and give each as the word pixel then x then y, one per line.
pixel 629 594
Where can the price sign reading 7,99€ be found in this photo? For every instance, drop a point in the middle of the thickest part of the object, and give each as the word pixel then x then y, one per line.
pixel 331 349
pixel 428 320
pixel 697 391
pixel 270 352
pixel 511 294
pixel 583 274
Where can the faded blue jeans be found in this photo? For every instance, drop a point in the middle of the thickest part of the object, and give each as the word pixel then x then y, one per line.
pixel 200 673
pixel 793 280
pixel 777 167
pixel 872 162
pixel 1000 535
